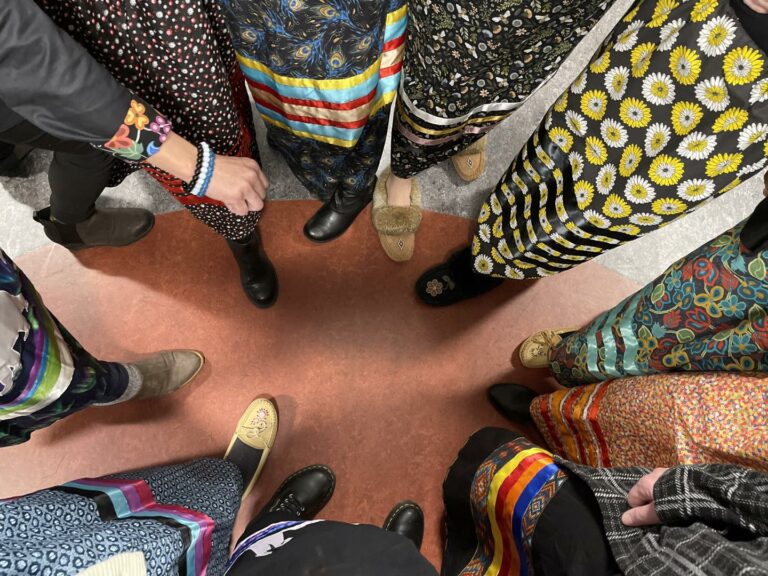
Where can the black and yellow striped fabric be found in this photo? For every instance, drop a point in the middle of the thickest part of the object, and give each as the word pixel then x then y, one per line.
pixel 671 112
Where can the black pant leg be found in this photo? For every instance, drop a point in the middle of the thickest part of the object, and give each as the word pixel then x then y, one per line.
pixel 78 173
pixel 569 539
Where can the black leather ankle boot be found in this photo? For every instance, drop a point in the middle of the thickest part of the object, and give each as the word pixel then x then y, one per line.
pixel 406 519
pixel 304 494
pixel 257 274
pixel 103 227
pixel 337 215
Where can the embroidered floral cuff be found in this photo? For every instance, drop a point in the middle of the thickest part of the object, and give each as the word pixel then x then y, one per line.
pixel 141 134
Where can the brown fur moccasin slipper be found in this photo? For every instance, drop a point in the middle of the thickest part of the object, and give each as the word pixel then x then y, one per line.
pixel 396 225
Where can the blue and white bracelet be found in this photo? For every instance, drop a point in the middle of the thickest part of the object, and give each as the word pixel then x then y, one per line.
pixel 206 160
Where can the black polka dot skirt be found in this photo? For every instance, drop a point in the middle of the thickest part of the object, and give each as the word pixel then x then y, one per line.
pixel 178 56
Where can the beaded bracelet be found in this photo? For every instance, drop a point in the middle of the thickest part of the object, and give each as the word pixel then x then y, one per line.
pixel 208 176
pixel 198 166
pixel 201 179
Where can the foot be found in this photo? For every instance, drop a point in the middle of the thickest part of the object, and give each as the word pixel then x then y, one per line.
pixel 397 225
pixel 253 441
pixel 406 519
pixel 536 351
pixel 512 401
pixel 304 494
pixel 398 191
pixel 454 281
pixel 257 274
pixel 337 215
pixel 166 372
pixel 104 227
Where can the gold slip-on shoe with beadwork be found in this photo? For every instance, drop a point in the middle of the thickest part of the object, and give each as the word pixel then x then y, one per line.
pixel 253 441
pixel 535 351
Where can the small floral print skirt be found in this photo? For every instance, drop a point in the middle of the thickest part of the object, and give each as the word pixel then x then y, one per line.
pixel 469 65
pixel 176 55
pixel 707 313
pixel 708 418
pixel 672 111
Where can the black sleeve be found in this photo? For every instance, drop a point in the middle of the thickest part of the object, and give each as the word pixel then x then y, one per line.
pixel 51 81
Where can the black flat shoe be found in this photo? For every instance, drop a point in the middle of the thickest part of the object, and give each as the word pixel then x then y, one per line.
pixel 407 520
pixel 453 281
pixel 337 215
pixel 257 274
pixel 512 401
pixel 104 227
pixel 304 494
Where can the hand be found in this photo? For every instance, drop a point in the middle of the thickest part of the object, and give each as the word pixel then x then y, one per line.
pixel 642 509
pixel 759 6
pixel 239 183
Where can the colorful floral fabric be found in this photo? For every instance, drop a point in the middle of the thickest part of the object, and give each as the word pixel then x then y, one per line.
pixel 45 374
pixel 323 77
pixel 671 112
pixel 707 418
pixel 176 54
pixel 469 65
pixel 141 134
pixel 180 517
pixel 708 312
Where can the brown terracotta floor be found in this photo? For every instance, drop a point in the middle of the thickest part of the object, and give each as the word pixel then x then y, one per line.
pixel 367 380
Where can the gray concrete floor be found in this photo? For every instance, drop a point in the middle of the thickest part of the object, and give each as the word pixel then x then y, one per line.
pixel 641 260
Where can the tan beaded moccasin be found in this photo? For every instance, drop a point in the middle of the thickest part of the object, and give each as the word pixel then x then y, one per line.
pixel 396 225
pixel 470 163
pixel 253 441
pixel 535 351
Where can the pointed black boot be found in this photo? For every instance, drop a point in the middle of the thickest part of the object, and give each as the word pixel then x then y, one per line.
pixel 337 215
pixel 257 274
